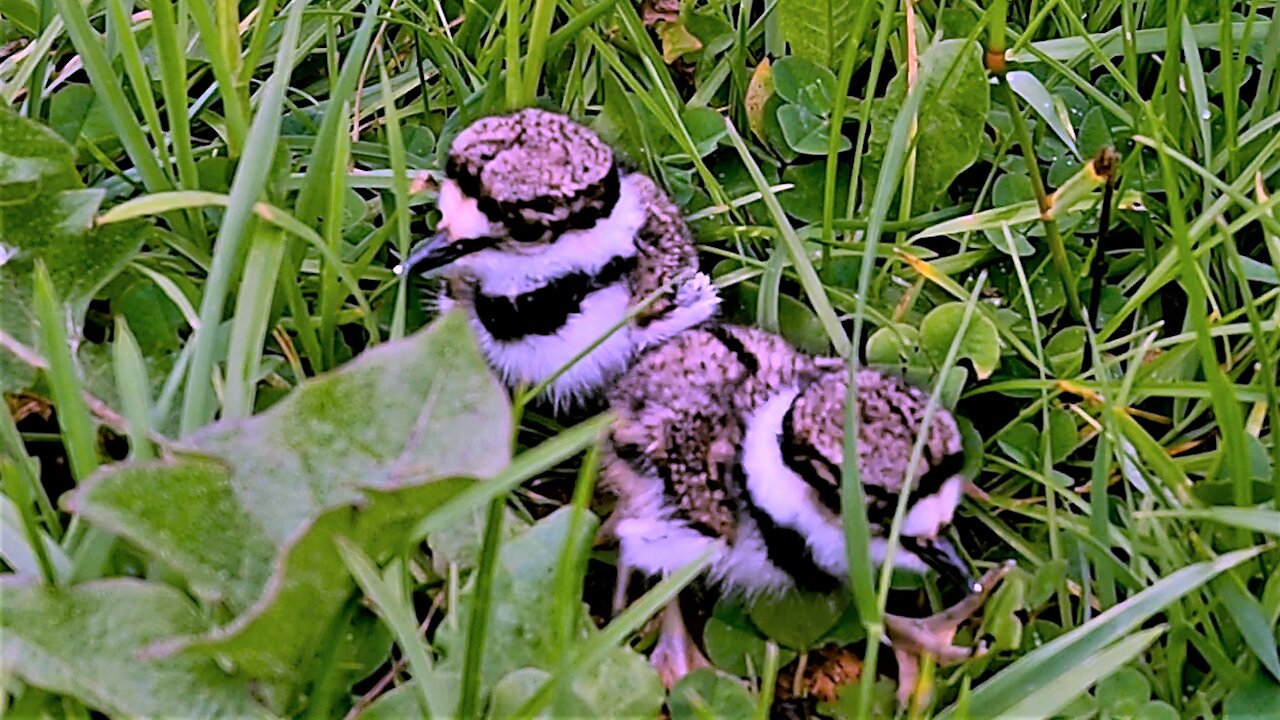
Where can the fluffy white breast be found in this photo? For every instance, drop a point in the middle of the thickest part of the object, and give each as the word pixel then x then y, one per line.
pixel 785 496
pixel 502 271
pixel 533 358
pixel 653 540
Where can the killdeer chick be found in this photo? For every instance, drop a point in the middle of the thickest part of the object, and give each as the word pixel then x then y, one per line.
pixel 547 244
pixel 729 440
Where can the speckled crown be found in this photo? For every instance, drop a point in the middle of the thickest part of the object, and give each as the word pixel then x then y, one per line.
pixel 890 411
pixel 536 172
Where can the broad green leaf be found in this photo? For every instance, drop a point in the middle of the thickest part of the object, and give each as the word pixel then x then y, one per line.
pixel 1065 351
pixel 605 691
pixel 805 132
pixel 1043 668
pixel 89 641
pixel 247 510
pixel 513 691
pixel 1123 692
pixel 981 343
pixel 1062 434
pixel 47 214
pixel 816 29
pixel 707 690
pixel 1095 134
pixel 804 201
pixel 891 345
pixel 798 620
pixel 1258 698
pixel 796 321
pixel 75 112
pixel 1156 710
pixel 804 83
pixel 949 126
pixel 732 642
pixel 396 704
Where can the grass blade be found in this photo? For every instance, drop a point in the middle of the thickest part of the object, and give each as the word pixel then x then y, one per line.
pixel 248 185
pixel 106 83
pixel 1044 666
pixel 396 612
pixel 526 465
pixel 78 432
pixel 134 389
pixel 809 279
pixel 249 325
pixel 1048 700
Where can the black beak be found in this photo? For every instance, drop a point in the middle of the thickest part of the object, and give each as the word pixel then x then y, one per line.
pixel 438 251
pixel 941 555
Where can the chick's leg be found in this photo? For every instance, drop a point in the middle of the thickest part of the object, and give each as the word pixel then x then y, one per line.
pixel 676 653
pixel 912 638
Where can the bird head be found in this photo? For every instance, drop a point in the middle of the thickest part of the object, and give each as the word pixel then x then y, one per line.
pixel 890 415
pixel 516 182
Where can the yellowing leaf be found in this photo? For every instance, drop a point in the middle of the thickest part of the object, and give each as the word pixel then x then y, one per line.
pixel 759 90
pixel 677 41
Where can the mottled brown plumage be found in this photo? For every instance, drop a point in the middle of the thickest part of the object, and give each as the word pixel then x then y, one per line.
pixel 730 441
pixel 890 414
pixel 679 416
pixel 666 251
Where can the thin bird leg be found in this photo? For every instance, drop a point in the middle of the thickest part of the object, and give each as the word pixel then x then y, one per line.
pixel 676 653
pixel 912 638
pixel 620 587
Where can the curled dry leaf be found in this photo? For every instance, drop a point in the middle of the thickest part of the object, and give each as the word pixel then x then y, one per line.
pixel 828 669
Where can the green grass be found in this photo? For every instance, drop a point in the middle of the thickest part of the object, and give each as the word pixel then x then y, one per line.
pixel 207 227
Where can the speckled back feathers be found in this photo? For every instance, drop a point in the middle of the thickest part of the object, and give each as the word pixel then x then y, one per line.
pixel 680 411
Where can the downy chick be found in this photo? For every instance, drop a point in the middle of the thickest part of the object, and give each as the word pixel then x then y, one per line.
pixel 547 244
pixel 730 440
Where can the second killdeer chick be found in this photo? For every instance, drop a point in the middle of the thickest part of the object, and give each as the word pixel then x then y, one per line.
pixel 728 439
pixel 547 243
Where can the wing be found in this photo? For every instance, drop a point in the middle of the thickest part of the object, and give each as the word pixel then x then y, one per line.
pixel 666 255
pixel 676 425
